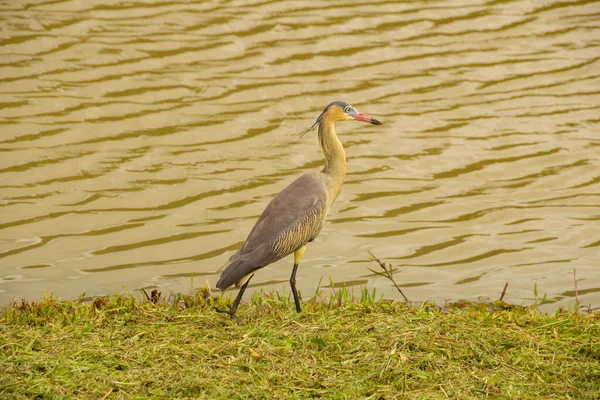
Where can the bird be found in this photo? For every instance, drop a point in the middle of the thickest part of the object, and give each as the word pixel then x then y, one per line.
pixel 295 216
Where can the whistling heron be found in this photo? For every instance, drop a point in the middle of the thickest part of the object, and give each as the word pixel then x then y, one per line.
pixel 296 215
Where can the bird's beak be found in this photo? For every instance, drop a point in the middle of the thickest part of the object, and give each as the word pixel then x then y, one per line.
pixel 365 118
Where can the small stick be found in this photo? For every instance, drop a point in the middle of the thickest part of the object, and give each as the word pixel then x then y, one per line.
pixel 208 292
pixel 503 291
pixel 391 277
pixel 388 273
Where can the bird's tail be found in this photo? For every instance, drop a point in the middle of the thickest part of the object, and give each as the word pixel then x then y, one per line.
pixel 231 275
pixel 237 272
pixel 241 265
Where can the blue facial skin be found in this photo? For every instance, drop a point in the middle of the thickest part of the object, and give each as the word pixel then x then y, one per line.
pixel 349 110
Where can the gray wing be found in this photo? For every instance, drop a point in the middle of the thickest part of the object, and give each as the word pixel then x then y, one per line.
pixel 293 218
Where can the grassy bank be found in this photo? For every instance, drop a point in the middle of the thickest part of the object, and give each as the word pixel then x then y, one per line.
pixel 340 348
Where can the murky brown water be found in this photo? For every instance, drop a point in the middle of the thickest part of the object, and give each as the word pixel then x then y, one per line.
pixel 140 141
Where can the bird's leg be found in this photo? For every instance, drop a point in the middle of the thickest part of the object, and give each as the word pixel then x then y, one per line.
pixel 294 290
pixel 297 257
pixel 236 303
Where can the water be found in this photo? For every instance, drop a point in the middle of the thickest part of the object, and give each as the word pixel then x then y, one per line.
pixel 139 142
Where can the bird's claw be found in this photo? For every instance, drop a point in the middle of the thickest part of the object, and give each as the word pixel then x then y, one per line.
pixel 229 312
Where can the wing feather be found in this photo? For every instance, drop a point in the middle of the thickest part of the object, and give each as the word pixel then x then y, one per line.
pixel 293 218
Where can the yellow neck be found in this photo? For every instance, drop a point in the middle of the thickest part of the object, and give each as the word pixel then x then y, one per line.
pixel 334 153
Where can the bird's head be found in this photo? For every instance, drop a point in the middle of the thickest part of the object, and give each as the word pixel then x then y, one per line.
pixel 341 111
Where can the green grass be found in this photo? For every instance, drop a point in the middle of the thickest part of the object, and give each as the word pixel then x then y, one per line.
pixel 339 347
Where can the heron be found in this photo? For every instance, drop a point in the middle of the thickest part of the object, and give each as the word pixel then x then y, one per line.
pixel 295 216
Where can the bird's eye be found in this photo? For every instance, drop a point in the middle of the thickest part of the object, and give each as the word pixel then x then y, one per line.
pixel 347 109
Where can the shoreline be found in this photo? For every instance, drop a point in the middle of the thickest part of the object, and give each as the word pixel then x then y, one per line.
pixel 344 345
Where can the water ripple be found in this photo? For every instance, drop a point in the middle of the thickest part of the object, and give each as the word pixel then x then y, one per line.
pixel 140 140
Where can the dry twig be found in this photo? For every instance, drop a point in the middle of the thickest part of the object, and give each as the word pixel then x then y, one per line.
pixel 388 273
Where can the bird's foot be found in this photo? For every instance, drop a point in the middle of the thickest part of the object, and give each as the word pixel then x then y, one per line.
pixel 231 313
